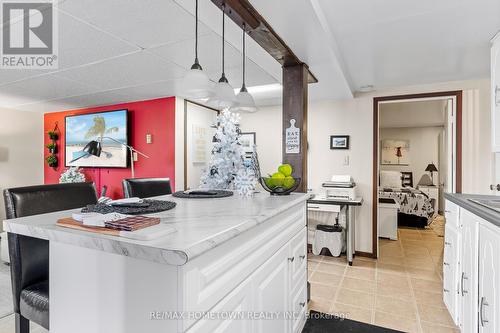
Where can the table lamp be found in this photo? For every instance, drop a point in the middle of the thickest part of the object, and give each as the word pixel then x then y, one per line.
pixel 94 148
pixel 431 168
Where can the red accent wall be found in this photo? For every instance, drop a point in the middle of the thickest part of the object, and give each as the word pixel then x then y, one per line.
pixel 155 117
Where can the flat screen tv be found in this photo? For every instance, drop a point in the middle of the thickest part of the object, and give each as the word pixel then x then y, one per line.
pixel 83 128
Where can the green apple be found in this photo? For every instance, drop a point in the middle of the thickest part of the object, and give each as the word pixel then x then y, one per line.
pixel 285 169
pixel 288 182
pixel 278 178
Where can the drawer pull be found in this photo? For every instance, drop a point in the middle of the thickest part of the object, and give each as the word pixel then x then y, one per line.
pixel 481 311
pixel 462 284
pixel 447 243
pixel 447 211
pixel 313 207
pixel 446 264
pixel 291 259
pixel 302 257
pixel 302 304
pixel 446 290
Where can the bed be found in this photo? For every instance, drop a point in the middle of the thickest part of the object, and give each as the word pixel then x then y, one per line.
pixel 416 208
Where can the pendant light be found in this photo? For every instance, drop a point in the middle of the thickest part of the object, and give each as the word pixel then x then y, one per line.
pixel 244 100
pixel 196 83
pixel 224 97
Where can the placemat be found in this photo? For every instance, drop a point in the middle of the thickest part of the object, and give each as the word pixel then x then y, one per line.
pixel 199 195
pixel 155 206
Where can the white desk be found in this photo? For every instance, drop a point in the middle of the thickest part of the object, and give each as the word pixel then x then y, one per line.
pixel 318 203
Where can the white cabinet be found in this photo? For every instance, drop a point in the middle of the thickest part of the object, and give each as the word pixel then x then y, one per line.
pixel 489 283
pixel 451 270
pixel 495 94
pixel 468 283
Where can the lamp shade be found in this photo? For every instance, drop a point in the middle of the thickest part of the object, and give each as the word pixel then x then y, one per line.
pixel 431 168
pixel 224 96
pixel 196 84
pixel 245 102
pixel 93 148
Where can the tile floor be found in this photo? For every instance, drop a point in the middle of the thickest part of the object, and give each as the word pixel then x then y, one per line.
pixel 401 290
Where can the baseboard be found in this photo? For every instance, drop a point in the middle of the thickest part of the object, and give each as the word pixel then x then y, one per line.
pixel 366 254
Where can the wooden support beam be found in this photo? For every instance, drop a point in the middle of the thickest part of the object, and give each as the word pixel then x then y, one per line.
pixel 295 112
pixel 242 12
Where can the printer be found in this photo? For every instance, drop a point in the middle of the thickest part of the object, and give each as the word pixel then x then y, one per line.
pixel 339 187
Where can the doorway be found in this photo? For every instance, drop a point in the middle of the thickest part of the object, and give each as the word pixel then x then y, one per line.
pixel 448 143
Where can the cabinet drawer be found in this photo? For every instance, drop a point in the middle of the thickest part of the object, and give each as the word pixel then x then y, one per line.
pixel 299 256
pixel 323 208
pixel 452 214
pixel 299 306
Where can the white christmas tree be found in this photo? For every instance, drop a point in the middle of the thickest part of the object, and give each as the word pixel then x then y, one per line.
pixel 227 155
pixel 72 175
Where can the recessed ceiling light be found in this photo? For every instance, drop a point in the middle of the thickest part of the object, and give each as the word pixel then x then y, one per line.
pixel 367 88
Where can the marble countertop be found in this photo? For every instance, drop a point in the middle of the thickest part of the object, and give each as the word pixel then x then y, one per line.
pixel 463 201
pixel 201 224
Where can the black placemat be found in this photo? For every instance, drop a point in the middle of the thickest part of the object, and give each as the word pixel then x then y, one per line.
pixel 213 194
pixel 155 206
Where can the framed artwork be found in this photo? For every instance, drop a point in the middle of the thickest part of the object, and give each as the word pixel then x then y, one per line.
pixel 395 152
pixel 339 142
pixel 248 141
pixel 82 128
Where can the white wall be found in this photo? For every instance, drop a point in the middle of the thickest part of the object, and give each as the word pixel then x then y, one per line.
pixel 424 146
pixel 354 117
pixel 21 150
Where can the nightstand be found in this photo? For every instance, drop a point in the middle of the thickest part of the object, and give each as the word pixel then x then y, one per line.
pixel 432 192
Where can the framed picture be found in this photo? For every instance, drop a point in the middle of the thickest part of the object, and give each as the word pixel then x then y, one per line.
pixel 80 129
pixel 339 141
pixel 248 141
pixel 395 152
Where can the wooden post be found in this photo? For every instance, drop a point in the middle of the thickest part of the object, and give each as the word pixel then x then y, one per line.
pixel 295 79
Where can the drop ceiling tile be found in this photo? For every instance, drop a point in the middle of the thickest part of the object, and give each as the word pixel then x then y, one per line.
pixel 152 90
pixel 129 70
pixel 80 43
pixel 42 88
pixel 255 76
pixel 143 22
pixel 209 54
pixel 11 75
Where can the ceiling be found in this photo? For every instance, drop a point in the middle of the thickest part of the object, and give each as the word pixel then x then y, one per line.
pixel 115 51
pixel 426 113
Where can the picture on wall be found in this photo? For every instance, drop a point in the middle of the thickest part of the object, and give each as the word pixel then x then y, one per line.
pixel 395 152
pixel 101 127
pixel 339 142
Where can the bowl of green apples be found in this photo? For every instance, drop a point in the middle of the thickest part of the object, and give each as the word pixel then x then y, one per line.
pixel 281 182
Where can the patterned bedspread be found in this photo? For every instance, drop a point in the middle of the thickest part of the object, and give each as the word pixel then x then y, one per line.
pixel 412 202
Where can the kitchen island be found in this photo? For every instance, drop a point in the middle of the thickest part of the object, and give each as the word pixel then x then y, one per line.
pixel 232 265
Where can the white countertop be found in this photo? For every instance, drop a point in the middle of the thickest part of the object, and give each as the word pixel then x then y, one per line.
pixel 201 224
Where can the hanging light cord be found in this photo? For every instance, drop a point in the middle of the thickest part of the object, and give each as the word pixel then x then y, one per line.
pixel 223 32
pixel 244 57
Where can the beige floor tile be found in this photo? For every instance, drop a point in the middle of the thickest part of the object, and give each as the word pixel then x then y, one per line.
pixel 330 268
pixel 309 275
pixel 312 257
pixel 424 274
pixel 434 314
pixel 396 252
pixel 397 323
pixel 392 260
pixel 424 263
pixel 394 280
pixel 429 298
pixel 415 236
pixel 311 265
pixel 397 307
pixel 429 286
pixel 7 325
pixel 435 328
pixel 325 278
pixel 390 268
pixel 320 305
pixel 358 262
pixel 385 289
pixel 436 251
pixel 358 285
pixel 323 291
pixel 356 298
pixel 360 273
pixel 335 260
pixel 352 312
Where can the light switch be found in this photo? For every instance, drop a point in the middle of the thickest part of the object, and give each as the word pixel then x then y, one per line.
pixel 149 138
pixel 134 155
pixel 346 160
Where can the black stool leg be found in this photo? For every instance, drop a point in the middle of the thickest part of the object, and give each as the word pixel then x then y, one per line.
pixel 22 324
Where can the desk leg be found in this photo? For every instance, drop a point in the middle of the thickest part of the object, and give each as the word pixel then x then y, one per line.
pixel 350 231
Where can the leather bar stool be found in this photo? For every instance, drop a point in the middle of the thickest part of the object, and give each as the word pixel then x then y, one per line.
pixel 29 257
pixel 146 187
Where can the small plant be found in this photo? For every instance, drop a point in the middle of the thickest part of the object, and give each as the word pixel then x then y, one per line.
pixel 51 147
pixel 53 135
pixel 51 161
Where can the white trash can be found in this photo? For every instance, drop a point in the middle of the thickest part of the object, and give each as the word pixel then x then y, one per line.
pixel 331 237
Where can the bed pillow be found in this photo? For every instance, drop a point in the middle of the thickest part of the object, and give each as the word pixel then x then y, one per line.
pixel 390 179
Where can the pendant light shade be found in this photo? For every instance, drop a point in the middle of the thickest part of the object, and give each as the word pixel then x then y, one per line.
pixel 244 100
pixel 196 84
pixel 224 97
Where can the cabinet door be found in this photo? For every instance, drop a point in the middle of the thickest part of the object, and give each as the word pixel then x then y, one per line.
pixel 271 293
pixel 299 257
pixel 489 280
pixel 451 269
pixel 468 277
pixel 495 95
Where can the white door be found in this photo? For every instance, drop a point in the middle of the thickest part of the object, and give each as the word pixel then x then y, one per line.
pixel 468 278
pixel 451 268
pixel 450 135
pixel 489 280
pixel 271 293
pixel 495 94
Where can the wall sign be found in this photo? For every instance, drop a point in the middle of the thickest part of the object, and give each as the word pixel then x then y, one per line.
pixel 200 143
pixel 292 139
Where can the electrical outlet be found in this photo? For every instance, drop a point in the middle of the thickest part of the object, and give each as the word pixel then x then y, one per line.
pixel 134 155
pixel 149 139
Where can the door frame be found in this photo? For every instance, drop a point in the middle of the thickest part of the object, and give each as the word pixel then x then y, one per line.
pixel 457 94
